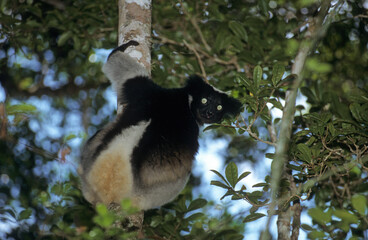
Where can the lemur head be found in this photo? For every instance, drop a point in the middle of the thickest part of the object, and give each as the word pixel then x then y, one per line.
pixel 208 104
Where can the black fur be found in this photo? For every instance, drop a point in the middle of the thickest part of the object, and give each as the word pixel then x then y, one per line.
pixel 173 120
pixel 170 140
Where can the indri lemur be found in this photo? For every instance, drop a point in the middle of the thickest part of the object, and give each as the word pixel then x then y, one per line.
pixel 146 153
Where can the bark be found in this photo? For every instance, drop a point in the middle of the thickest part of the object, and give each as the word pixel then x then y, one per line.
pixel 283 225
pixel 135 24
pixel 297 210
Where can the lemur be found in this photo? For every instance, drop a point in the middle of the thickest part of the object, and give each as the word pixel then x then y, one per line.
pixel 146 154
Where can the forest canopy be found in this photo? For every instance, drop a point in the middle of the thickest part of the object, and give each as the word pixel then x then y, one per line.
pixel 265 53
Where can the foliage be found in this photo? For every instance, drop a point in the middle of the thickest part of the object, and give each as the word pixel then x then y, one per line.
pixel 55 97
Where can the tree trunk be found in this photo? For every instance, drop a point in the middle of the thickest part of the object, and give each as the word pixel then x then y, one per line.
pixel 135 24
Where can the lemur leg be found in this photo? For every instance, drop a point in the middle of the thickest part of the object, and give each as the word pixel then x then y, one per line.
pixel 111 177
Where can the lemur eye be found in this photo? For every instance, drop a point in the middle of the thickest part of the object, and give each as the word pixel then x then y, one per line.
pixel 204 100
pixel 219 107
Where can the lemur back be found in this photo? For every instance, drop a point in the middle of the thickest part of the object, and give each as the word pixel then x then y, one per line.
pixel 146 153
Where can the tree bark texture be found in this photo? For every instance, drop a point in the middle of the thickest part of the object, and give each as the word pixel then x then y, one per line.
pixel 135 24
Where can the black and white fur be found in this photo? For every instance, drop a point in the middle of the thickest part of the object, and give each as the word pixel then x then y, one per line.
pixel 146 153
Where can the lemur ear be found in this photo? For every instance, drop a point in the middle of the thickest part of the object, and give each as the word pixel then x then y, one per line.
pixel 231 105
pixel 195 85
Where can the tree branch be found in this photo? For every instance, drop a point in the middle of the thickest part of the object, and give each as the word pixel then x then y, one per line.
pixel 316 32
pixel 198 58
pixel 198 29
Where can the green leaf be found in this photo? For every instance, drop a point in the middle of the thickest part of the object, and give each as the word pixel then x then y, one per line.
pixel 220 175
pixel 20 108
pixel 314 65
pixel 260 185
pixel 77 43
pixel 195 216
pixel 57 189
pixel 309 94
pixel 319 216
pixel 101 209
pixel 356 111
pixel 25 83
pixel 104 217
pixel 263 6
pixel 156 220
pixel 238 29
pixel 229 192
pixel 64 37
pixel 277 73
pixel 305 151
pixel 346 216
pixel 276 103
pixel 332 129
pixel 316 235
pixel 219 184
pixel 359 203
pixel 69 137
pixel 25 214
pixel 198 203
pixel 306 227
pixel 257 76
pixel 254 216
pixel 245 81
pixel 243 175
pixel 213 126
pixel 231 173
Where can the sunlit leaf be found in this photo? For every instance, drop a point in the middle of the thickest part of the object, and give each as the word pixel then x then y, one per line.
pixel 197 203
pixel 243 175
pixel 219 184
pixel 277 73
pixel 257 76
pixel 346 216
pixel 238 29
pixel 231 173
pixel 359 203
pixel 21 108
pixel 64 37
pixel 25 214
pixel 254 216
pixel 319 215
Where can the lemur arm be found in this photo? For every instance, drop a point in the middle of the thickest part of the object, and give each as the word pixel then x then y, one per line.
pixel 120 67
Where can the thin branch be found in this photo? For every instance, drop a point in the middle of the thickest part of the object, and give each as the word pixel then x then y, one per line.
pixel 192 48
pixel 297 210
pixel 198 29
pixel 232 62
pixel 252 134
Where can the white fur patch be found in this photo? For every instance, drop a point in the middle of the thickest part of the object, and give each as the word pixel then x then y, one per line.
pixel 218 90
pixel 190 100
pixel 159 194
pixel 111 177
pixel 120 67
